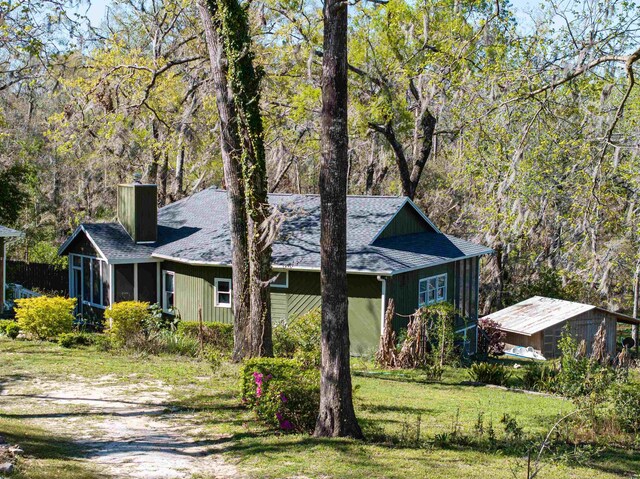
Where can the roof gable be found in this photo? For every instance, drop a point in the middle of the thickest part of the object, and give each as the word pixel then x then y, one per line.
pixel 409 219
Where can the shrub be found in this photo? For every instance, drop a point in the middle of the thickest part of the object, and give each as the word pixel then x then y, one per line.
pixel 162 342
pixel 539 377
pixel 157 320
pixel 214 357
pixel 3 324
pixel 127 320
pixel 169 342
pixel 216 335
pixel 490 373
pixel 103 342
pixel 579 375
pixel 282 392
pixel 625 400
pixel 45 317
pixel 299 338
pixel 70 340
pixel 12 330
pixel 490 338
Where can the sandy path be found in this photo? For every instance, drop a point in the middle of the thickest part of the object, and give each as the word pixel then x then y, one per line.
pixel 127 431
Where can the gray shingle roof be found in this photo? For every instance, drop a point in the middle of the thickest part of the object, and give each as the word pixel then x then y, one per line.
pixel 8 232
pixel 196 230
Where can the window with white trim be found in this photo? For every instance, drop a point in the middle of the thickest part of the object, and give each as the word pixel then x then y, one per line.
pixel 89 280
pixel 432 290
pixel 281 280
pixel 222 292
pixel 168 291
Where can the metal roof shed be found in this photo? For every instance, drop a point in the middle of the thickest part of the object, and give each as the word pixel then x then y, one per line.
pixel 538 322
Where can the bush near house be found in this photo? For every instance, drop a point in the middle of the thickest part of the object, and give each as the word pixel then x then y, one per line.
pixel 45 317
pixel 490 373
pixel 126 320
pixel 70 340
pixel 217 335
pixel 299 338
pixel 282 392
pixel 9 328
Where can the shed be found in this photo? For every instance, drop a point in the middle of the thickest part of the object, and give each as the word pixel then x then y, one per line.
pixel 538 322
pixel 6 234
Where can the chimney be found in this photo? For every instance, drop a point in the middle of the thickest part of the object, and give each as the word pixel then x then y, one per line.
pixel 138 210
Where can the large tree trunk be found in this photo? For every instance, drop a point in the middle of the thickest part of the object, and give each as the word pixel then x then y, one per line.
pixel 244 81
pixel 336 417
pixel 231 151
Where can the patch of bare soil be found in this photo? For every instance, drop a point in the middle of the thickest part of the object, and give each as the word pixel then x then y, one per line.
pixel 127 430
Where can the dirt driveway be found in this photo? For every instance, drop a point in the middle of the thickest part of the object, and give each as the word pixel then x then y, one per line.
pixel 124 430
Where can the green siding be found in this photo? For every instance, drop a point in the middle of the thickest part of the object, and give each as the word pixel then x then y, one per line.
pixel 138 211
pixel 195 286
pixel 127 208
pixel 406 221
pixel 461 292
pixel 403 289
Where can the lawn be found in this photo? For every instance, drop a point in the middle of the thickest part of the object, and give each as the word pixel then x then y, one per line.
pixel 392 408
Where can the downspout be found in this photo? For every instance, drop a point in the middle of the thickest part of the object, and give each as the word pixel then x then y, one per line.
pixel 384 302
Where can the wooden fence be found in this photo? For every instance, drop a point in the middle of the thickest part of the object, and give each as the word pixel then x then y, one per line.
pixel 38 276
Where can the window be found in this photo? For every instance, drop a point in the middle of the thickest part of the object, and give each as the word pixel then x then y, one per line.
pixel 432 290
pixel 223 293
pixel 282 280
pixel 168 291
pixel 90 280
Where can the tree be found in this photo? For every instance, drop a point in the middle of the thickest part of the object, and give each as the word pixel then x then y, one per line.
pixel 337 416
pixel 14 184
pixel 237 86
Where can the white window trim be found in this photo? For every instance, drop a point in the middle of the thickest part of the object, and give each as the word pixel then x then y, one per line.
pixel 166 273
pixel 74 269
pixel 216 303
pixel 435 300
pixel 286 280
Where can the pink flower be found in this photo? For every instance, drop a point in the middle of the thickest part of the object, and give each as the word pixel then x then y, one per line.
pixel 283 398
pixel 286 425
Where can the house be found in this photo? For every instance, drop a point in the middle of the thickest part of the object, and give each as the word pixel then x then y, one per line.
pixel 538 322
pixel 179 256
pixel 6 235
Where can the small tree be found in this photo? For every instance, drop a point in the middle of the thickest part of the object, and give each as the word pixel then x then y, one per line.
pixel 490 338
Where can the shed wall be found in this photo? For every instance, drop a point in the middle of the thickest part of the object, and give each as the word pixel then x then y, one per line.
pixel 582 327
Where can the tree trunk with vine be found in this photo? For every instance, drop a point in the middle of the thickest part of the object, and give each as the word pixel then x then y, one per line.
pixel 231 23
pixel 231 149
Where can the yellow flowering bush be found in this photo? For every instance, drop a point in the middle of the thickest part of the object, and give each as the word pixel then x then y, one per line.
pixel 45 317
pixel 127 319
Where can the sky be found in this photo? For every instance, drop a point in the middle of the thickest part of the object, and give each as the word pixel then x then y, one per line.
pixel 96 10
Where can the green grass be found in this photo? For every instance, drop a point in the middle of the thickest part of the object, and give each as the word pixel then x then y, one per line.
pixel 388 405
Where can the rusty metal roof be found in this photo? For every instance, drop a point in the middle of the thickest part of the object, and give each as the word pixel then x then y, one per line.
pixel 537 313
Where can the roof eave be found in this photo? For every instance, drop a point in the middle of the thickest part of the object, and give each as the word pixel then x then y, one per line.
pixel 439 263
pixel 274 266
